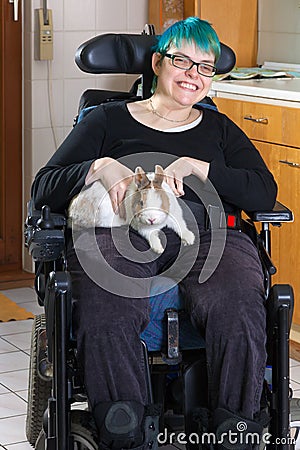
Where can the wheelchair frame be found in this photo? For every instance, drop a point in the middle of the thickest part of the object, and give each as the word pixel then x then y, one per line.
pixel 45 239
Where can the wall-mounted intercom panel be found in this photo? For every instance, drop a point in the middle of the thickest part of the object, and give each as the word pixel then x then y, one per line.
pixel 45 35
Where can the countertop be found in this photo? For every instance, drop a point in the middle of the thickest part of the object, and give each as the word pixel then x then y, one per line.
pixel 276 89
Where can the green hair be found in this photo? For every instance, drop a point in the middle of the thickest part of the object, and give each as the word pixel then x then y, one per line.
pixel 191 30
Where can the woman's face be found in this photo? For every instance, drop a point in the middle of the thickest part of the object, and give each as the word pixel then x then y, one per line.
pixel 186 87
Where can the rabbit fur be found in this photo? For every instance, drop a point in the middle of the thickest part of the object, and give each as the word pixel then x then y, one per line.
pixel 149 203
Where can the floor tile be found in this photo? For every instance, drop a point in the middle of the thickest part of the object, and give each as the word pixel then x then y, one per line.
pixel 20 295
pixel 12 405
pixel 295 387
pixel 294 363
pixel 23 395
pixel 12 430
pixel 21 340
pixel 33 307
pixel 3 390
pixel 13 361
pixel 6 347
pixel 15 326
pixel 15 380
pixel 295 373
pixel 20 446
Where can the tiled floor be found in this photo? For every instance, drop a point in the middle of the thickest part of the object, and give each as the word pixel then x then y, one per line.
pixel 14 363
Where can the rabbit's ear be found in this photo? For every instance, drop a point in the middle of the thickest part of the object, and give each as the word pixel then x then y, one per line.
pixel 158 177
pixel 140 178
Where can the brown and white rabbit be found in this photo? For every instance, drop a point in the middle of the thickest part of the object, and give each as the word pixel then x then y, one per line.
pixel 149 203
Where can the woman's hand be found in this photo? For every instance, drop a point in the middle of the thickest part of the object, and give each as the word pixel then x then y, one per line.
pixel 183 167
pixel 115 177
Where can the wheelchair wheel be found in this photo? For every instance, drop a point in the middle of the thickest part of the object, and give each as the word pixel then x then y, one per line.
pixel 39 390
pixel 295 421
pixel 82 432
pixel 294 425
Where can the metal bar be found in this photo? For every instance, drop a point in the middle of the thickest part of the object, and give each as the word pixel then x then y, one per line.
pixel 61 373
pixel 147 370
pixel 266 236
pixel 290 163
pixel 283 376
pixel 263 120
pixel 50 443
pixel 45 13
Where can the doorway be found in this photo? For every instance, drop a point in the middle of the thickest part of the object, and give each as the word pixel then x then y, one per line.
pixel 11 142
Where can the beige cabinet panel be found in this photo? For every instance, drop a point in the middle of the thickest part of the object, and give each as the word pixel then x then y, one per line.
pixel 284 163
pixel 262 122
pixel 278 141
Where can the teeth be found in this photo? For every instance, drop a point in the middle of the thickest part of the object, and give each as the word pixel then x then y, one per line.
pixel 188 86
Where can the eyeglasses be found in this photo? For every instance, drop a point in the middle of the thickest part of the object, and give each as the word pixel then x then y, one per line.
pixel 185 63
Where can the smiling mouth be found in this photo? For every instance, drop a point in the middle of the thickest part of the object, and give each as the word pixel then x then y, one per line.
pixel 189 86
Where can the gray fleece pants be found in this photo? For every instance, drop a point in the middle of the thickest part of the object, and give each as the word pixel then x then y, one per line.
pixel 109 316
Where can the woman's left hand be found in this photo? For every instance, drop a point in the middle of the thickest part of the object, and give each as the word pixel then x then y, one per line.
pixel 183 167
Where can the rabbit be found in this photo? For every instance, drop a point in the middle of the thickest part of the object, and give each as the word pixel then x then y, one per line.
pixel 149 203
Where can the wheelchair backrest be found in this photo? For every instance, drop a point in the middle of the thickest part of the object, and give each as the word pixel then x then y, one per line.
pixel 131 54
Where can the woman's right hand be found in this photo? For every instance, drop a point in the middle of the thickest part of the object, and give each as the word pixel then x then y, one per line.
pixel 115 177
pixel 183 167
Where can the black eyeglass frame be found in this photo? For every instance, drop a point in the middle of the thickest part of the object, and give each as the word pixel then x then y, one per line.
pixel 193 63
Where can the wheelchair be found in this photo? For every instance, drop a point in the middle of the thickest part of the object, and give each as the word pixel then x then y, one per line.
pixel 58 416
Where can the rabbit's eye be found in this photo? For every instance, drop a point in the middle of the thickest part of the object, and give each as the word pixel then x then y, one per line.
pixel 141 203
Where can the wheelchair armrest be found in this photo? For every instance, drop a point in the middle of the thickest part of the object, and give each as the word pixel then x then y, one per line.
pixel 44 234
pixel 278 214
pixel 34 215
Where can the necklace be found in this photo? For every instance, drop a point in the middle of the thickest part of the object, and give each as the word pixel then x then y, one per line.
pixel 165 118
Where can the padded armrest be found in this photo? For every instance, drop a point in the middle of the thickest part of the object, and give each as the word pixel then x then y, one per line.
pixel 33 215
pixel 279 213
pixel 44 234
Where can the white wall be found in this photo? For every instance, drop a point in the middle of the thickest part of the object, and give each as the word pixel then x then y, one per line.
pixel 74 21
pixel 279 31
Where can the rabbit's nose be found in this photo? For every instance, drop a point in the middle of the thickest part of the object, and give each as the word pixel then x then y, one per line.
pixel 152 221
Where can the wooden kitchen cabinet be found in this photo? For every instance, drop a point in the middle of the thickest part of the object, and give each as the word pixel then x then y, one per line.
pixel 234 21
pixel 263 122
pixel 236 25
pixel 278 141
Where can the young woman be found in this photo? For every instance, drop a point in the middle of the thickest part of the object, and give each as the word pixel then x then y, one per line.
pixel 198 148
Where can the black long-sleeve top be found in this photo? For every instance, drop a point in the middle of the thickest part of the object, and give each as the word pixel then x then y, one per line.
pixel 237 171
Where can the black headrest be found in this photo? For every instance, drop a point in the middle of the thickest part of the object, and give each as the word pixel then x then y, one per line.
pixel 130 54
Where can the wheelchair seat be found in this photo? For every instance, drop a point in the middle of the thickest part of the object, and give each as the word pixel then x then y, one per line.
pixel 170 333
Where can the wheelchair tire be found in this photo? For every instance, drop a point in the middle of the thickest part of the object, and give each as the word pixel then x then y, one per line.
pixel 82 432
pixel 295 421
pixel 294 425
pixel 39 390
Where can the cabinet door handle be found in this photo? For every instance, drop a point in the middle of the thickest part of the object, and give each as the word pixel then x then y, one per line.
pixel 290 163
pixel 263 120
